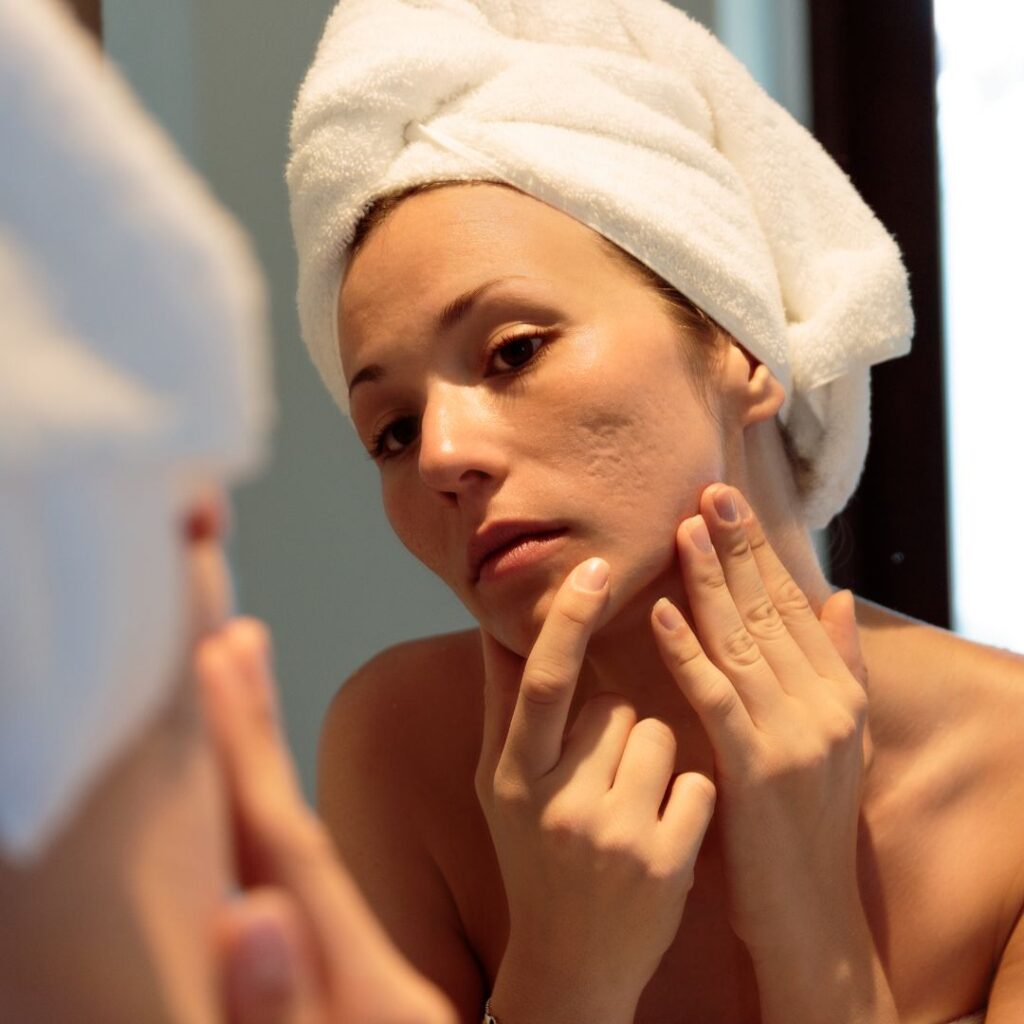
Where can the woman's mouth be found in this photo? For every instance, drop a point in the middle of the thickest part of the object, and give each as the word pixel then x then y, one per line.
pixel 504 549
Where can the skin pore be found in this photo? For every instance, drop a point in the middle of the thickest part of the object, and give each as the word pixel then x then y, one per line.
pixel 561 396
pixel 565 397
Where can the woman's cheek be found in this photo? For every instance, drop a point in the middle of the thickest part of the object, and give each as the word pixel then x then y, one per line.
pixel 420 533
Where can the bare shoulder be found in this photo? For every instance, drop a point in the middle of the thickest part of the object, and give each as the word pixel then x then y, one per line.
pixel 395 773
pixel 947 715
pixel 420 690
pixel 929 683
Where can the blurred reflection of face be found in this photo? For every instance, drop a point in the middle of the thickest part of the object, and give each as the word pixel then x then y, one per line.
pixel 559 404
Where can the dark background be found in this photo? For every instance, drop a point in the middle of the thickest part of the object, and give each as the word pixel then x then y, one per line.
pixel 873 76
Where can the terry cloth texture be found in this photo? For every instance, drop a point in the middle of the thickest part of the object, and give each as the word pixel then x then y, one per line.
pixel 633 119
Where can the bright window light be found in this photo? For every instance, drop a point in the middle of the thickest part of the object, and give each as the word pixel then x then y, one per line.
pixel 981 144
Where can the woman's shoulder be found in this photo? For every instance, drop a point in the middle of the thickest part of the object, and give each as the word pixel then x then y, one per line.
pixel 946 717
pixel 926 681
pixel 412 672
pixel 422 698
pixel 397 757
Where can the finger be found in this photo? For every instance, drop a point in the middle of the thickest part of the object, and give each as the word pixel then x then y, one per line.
pixel 268 975
pixel 792 604
pixel 593 748
pixel 720 508
pixel 839 620
pixel 503 671
pixel 250 642
pixel 684 822
pixel 725 639
pixel 711 694
pixel 645 770
pixel 240 709
pixel 280 842
pixel 534 743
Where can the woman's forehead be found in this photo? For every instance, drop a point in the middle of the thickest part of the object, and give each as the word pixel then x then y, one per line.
pixel 435 246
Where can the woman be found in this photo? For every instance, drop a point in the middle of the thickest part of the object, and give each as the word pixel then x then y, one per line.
pixel 583 443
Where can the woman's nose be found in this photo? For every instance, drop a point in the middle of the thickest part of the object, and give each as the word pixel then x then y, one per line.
pixel 459 447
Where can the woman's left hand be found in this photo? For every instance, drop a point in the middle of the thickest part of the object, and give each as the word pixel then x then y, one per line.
pixel 787 720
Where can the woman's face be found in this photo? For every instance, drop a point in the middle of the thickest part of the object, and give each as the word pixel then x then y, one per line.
pixel 527 400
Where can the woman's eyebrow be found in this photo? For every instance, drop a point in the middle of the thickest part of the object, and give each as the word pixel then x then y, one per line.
pixel 460 306
pixel 451 314
pixel 367 375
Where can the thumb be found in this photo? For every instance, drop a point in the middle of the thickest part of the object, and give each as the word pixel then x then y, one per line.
pixel 267 971
pixel 839 620
pixel 503 673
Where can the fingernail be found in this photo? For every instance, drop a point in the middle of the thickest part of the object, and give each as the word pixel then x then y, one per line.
pixel 725 506
pixel 698 531
pixel 267 957
pixel 667 614
pixel 591 576
pixel 744 508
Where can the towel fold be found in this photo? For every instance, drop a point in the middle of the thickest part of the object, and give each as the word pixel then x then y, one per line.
pixel 633 119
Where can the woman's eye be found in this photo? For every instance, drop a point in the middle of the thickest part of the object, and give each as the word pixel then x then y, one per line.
pixel 395 437
pixel 516 352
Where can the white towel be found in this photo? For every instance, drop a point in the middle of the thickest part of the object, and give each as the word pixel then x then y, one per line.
pixel 133 366
pixel 633 119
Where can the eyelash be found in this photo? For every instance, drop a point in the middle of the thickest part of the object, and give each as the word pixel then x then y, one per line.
pixel 377 450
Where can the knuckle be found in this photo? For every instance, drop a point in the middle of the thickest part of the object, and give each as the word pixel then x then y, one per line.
pixel 764 619
pixel 564 822
pixel 619 846
pixel 811 759
pixel 544 682
pixel 858 704
pixel 711 577
pixel 687 653
pixel 699 788
pixel 609 709
pixel 577 608
pixel 483 786
pixel 721 702
pixel 842 729
pixel 680 875
pixel 790 600
pixel 611 703
pixel 507 792
pixel 755 537
pixel 657 734
pixel 736 544
pixel 740 647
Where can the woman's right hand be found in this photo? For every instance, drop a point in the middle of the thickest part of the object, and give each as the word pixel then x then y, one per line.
pixel 595 834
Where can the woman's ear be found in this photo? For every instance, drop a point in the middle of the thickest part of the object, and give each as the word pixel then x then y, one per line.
pixel 765 396
pixel 755 393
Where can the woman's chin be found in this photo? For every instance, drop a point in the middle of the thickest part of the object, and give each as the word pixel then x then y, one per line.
pixel 516 622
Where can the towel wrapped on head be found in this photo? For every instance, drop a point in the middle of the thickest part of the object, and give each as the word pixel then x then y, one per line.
pixel 134 369
pixel 630 117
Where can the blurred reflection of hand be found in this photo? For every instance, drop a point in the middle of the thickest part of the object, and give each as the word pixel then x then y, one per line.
pixel 299 945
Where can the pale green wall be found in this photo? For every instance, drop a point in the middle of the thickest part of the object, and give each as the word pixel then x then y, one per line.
pixel 313 554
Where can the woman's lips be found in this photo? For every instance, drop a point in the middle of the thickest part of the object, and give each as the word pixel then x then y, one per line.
pixel 521 551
